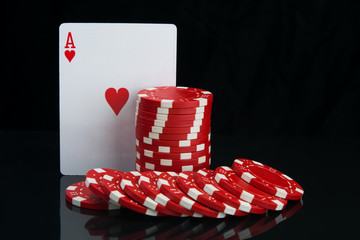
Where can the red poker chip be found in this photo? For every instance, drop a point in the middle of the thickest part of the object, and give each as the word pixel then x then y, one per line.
pixel 173 143
pixel 147 183
pixel 187 184
pixel 231 182
pixel 141 166
pixel 173 111
pixel 166 184
pixel 175 97
pixel 173 156
pixel 268 179
pixel 171 137
pixel 205 180
pixel 79 195
pixel 130 186
pixel 93 180
pixel 174 163
pixel 169 124
pixel 177 130
pixel 169 149
pixel 111 186
pixel 174 118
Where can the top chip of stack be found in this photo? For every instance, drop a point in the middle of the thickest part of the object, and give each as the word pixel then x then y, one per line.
pixel 173 129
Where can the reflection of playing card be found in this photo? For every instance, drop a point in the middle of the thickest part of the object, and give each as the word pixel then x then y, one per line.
pixel 102 67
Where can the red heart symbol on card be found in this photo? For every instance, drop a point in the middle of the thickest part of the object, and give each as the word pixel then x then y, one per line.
pixel 69 54
pixel 116 99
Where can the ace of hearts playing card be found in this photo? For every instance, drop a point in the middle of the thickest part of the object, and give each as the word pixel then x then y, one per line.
pixel 102 66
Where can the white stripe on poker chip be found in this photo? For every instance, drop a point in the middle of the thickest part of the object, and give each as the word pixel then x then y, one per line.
pixel 77 201
pixel 187 168
pixel 203 159
pixel 135 173
pixel 116 195
pixel 218 177
pixel 137 142
pixel 159 123
pixel 148 153
pixel 246 176
pixel 165 103
pixel 279 205
pixel 138 155
pixel 184 156
pixel 192 136
pixel 281 193
pixel 149 203
pixel 164 149
pixel 72 188
pixel 140 96
pixel 239 161
pixel 299 190
pixel 161 182
pixel 165 162
pixel 194 193
pixel 227 169
pixel 202 172
pixel 287 177
pixel 162 117
pixel 186 202
pixel 156 129
pixel 108 177
pixel 125 183
pixel 202 101
pixel 143 178
pixel 182 87
pixel 210 189
pixel 247 196
pixel 200 147
pixel 162 199
pixel 90 180
pixel 162 110
pixel 173 174
pixel 206 92
pixel 184 143
pixel 154 135
pixel 229 210
pixel 149 166
pixel 183 175
pixel 99 170
pixel 147 140
pixel 151 88
pixel 151 212
pixel 260 164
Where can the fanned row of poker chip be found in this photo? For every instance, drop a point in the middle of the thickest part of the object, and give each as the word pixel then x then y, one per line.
pixel 246 187
pixel 173 129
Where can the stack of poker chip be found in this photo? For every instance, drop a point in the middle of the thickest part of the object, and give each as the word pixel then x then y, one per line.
pixel 173 129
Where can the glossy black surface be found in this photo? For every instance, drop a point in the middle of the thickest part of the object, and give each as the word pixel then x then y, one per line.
pixel 33 204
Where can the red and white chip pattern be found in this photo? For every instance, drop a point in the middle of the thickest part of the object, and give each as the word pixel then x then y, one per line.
pixel 268 179
pixel 173 123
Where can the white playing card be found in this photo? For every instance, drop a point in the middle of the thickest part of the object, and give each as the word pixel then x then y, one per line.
pixel 101 64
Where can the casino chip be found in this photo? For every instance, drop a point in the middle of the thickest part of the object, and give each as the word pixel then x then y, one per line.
pixel 147 183
pixel 166 184
pixel 129 184
pixel 186 183
pixel 110 184
pixel 232 183
pixel 175 97
pixel 79 195
pixel 205 180
pixel 267 179
pixel 93 180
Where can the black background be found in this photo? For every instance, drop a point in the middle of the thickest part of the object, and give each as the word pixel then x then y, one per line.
pixel 285 78
pixel 288 68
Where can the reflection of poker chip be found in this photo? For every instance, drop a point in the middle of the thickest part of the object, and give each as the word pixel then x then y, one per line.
pixel 174 156
pixel 141 166
pixel 92 212
pixel 147 183
pixel 169 124
pixel 205 180
pixel 232 183
pixel 166 184
pixel 171 149
pixel 93 180
pixel 186 183
pixel 173 111
pixel 268 179
pixel 79 195
pixel 175 97
pixel 111 187
pixel 173 143
pixel 130 186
